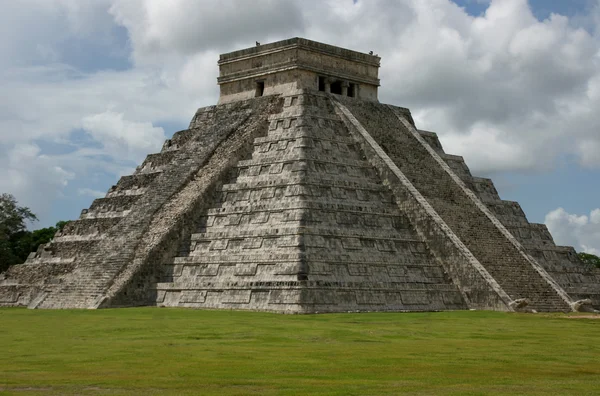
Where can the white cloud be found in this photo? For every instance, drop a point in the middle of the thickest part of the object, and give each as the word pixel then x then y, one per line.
pixel 33 178
pixel 49 102
pixel 595 216
pixel 186 27
pixel 488 151
pixel 579 231
pixel 121 138
pixel 505 90
pixel 504 71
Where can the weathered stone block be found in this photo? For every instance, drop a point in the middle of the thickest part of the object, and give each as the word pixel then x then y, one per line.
pixel 414 297
pixel 301 193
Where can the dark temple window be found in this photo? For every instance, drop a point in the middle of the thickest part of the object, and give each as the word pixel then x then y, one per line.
pixel 352 90
pixel 260 88
pixel 336 88
pixel 321 83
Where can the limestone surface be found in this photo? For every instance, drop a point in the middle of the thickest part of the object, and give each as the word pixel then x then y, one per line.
pixel 301 193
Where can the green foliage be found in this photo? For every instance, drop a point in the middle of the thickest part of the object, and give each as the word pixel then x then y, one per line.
pixel 43 235
pixel 12 216
pixel 61 224
pixel 16 242
pixel 589 259
pixel 13 226
pixel 20 244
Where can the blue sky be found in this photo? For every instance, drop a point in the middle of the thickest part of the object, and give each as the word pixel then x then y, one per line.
pixel 513 86
pixel 541 8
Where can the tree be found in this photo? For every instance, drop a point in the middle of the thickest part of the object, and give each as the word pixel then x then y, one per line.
pixel 13 228
pixel 16 242
pixel 12 216
pixel 61 224
pixel 589 259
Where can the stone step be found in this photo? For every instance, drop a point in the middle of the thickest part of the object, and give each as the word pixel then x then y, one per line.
pixel 433 140
pixel 155 163
pixel 380 207
pixel 449 197
pixel 113 204
pixel 348 219
pixel 135 184
pixel 305 146
pixel 334 132
pixel 241 285
pixel 406 253
pixel 269 181
pixel 314 134
pixel 64 249
pixel 296 230
pixel 310 158
pixel 88 226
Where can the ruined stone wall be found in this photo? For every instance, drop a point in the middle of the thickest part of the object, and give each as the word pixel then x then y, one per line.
pixel 483 235
pixel 257 63
pixel 354 69
pixel 479 289
pixel 305 53
pixel 298 204
pixel 90 263
pixel 561 262
pixel 175 221
pixel 306 226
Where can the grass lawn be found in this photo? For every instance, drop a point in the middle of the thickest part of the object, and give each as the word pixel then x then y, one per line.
pixel 154 351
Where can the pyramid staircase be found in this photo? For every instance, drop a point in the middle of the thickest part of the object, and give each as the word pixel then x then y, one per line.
pixel 299 192
pixel 503 257
pixel 97 253
pixel 581 282
pixel 307 226
pixel 307 202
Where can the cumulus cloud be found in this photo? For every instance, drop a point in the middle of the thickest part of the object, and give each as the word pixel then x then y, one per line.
pixel 504 89
pixel 121 138
pixel 49 102
pixel 186 27
pixel 34 178
pixel 579 231
pixel 488 151
pixel 529 81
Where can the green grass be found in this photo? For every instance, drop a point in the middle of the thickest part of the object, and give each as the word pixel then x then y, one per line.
pixel 154 351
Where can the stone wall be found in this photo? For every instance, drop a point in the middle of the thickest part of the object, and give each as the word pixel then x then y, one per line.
pixel 561 262
pixel 87 257
pixel 306 225
pixel 294 64
pixel 297 203
pixel 484 236
pixel 479 289
pixel 174 222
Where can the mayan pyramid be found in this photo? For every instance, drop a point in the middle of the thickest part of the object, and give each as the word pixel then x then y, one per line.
pixel 299 192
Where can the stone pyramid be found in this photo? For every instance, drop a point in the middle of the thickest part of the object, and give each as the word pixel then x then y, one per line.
pixel 298 193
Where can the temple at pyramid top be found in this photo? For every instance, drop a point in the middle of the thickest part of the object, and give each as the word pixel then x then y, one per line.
pixel 294 64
